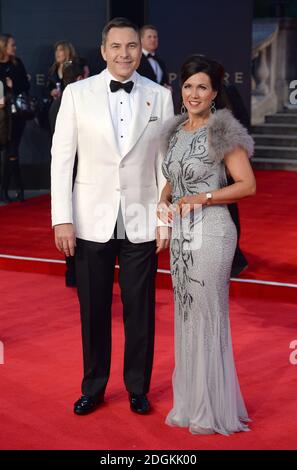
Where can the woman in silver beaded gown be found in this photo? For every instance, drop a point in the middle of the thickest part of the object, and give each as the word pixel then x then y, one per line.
pixel 201 147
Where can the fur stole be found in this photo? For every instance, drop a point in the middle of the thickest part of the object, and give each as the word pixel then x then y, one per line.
pixel 225 133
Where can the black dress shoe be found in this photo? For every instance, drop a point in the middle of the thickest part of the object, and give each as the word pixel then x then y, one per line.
pixel 139 404
pixel 86 405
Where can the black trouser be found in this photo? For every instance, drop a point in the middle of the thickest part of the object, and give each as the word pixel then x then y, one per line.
pixel 11 165
pixel 70 275
pixel 11 171
pixel 18 124
pixel 239 260
pixel 95 264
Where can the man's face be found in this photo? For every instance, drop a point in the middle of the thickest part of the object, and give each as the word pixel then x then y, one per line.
pixel 122 52
pixel 149 40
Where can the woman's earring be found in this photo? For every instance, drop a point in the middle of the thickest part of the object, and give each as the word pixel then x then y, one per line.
pixel 183 109
pixel 213 107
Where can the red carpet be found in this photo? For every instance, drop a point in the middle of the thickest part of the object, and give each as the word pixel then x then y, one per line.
pixel 269 231
pixel 41 375
pixel 40 330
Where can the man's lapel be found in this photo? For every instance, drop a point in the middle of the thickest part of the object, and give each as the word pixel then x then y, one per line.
pixel 143 106
pixel 101 104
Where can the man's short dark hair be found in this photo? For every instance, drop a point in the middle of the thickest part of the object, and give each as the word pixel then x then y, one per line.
pixel 72 70
pixel 146 27
pixel 118 22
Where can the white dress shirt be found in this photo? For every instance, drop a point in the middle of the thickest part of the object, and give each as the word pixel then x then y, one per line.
pixel 121 105
pixel 155 65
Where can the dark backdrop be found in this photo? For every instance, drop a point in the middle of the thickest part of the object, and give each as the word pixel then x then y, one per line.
pixel 135 10
pixel 36 26
pixel 221 29
pixel 218 28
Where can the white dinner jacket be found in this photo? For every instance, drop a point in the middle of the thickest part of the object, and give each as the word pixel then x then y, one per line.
pixel 105 179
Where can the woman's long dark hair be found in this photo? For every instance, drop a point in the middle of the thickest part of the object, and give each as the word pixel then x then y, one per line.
pixel 69 52
pixel 200 63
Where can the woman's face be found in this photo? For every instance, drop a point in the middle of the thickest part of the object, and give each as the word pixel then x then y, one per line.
pixel 198 94
pixel 60 54
pixel 11 47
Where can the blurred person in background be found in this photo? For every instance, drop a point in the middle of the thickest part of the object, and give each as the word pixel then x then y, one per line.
pixel 151 66
pixel 64 52
pixel 15 81
pixel 236 105
pixel 73 71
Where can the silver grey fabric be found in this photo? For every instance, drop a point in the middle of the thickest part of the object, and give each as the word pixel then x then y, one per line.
pixel 207 397
pixel 224 133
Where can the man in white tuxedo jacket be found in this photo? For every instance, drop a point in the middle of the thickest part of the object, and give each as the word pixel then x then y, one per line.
pixel 112 120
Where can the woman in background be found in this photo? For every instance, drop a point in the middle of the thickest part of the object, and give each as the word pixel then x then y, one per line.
pixel 64 52
pixel 15 80
pixel 72 72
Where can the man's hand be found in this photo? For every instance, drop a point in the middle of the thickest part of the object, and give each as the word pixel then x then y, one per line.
pixel 163 238
pixel 65 239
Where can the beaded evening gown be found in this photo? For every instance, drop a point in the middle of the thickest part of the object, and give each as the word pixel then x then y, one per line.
pixel 207 397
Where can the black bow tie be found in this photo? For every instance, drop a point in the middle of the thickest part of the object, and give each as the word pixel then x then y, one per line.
pixel 150 56
pixel 115 86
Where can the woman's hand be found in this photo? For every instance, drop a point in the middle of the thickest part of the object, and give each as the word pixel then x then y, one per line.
pixel 165 211
pixel 55 93
pixel 163 236
pixel 9 82
pixel 187 203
